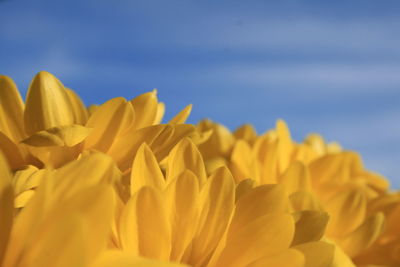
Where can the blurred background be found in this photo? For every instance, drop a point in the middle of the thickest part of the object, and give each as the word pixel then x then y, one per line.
pixel 331 67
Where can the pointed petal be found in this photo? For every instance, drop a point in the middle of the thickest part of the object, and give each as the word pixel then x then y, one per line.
pixel 258 202
pixel 363 237
pixel 146 107
pixel 144 228
pixel 160 113
pixel 243 188
pixel 47 104
pixel 285 145
pixel 310 226
pixel 11 110
pixel 145 170
pixel 341 207
pixel 162 146
pixel 317 254
pixel 242 162
pixel 304 201
pixel 296 178
pixel 124 148
pixel 182 116
pixel 267 235
pixel 185 155
pixel 246 132
pixel 92 169
pixel 11 152
pixel 110 120
pixel 69 136
pixel 80 112
pixel 182 197
pixel 216 204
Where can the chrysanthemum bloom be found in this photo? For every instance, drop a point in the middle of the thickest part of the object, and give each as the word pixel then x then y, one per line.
pixel 317 176
pixel 111 186
pixel 54 127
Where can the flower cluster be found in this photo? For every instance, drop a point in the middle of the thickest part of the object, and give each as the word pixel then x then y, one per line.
pixel 110 186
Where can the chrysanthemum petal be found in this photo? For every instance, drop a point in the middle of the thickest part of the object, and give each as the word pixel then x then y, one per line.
pixel 185 155
pixel 69 135
pixel 108 121
pixel 363 236
pixel 296 178
pixel 47 104
pixel 146 109
pixel 11 110
pixel 145 229
pixel 216 203
pixel 265 236
pixel 317 254
pixel 145 170
pixel 310 226
pixel 182 199
pixel 182 116
pixel 79 110
pixel 11 151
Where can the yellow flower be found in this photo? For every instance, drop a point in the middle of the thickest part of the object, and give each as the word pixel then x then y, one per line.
pixel 109 185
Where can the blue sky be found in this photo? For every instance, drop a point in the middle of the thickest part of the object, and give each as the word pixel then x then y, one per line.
pixel 331 67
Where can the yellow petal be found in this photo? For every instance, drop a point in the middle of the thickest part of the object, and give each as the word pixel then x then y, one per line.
pixel 22 199
pixel 6 205
pixel 285 146
pixel 55 156
pixel 69 136
pixel 289 258
pixel 124 148
pixel 80 112
pixel 216 204
pixel 219 144
pixel 112 258
pixel 47 104
pixel 266 152
pixel 242 162
pixel 243 188
pixel 160 113
pixel 145 229
pixel 98 215
pixel 182 196
pixel 304 201
pixel 341 207
pixel 317 254
pixel 111 119
pixel 310 226
pixel 11 110
pixel 259 201
pixel 146 108
pixel 296 178
pixel 317 143
pixel 185 155
pixel 182 116
pixel 145 170
pixel 361 238
pixel 60 245
pixel 267 235
pixel 246 132
pixel 27 178
pixel 11 152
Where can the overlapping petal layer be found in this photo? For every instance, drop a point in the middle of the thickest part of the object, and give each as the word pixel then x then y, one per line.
pixel 110 185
